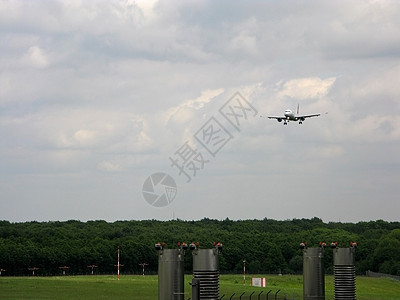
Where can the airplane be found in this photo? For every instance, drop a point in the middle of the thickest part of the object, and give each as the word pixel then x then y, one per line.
pixel 289 115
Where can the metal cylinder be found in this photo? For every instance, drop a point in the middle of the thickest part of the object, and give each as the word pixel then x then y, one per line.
pixel 344 273
pixel 171 274
pixel 195 289
pixel 205 268
pixel 313 274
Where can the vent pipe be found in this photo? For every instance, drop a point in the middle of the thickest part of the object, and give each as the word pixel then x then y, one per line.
pixel 344 272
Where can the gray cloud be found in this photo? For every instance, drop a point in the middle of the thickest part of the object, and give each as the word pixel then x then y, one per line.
pixel 97 96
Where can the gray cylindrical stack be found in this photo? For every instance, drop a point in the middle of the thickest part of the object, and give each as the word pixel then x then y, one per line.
pixel 206 269
pixel 344 273
pixel 313 274
pixel 170 273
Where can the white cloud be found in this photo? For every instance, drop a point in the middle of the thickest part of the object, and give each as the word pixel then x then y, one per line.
pixel 186 111
pixel 306 88
pixel 35 57
pixel 244 38
pixel 109 166
pixel 357 30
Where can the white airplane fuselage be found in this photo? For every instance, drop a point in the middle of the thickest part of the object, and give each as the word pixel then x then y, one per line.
pixel 290 115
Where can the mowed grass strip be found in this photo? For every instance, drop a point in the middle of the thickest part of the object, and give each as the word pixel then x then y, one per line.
pixel 79 287
pixel 146 287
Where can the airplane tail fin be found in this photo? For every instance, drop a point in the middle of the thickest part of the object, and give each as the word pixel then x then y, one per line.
pixel 298 108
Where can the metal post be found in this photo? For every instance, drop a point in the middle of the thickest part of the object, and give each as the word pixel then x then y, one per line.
pixel 251 295
pixel 118 264
pixel 244 271
pixel 33 270
pixel 143 265
pixel 240 297
pixel 276 294
pixel 259 295
pixel 92 267
pixel 195 289
pixel 232 296
pixel 268 293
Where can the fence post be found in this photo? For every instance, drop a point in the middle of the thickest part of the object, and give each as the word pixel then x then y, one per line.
pixel 268 293
pixel 259 295
pixel 251 295
pixel 232 296
pixel 240 298
pixel 276 294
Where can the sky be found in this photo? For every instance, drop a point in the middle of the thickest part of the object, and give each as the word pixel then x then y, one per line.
pixel 131 110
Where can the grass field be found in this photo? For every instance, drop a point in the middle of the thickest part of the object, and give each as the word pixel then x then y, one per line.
pixel 146 287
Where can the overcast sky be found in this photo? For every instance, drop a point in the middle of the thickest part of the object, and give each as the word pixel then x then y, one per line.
pixel 96 96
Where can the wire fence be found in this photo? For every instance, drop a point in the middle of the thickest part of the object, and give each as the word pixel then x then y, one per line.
pixel 264 295
pixel 382 275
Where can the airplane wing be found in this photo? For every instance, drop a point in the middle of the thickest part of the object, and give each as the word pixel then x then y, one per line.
pixel 308 116
pixel 279 119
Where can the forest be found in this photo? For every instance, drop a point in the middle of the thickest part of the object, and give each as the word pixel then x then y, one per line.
pixel 269 246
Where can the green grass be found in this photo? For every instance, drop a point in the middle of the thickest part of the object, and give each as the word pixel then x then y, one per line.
pixel 367 288
pixel 79 287
pixel 146 288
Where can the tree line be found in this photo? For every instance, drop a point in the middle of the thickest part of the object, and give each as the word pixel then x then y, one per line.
pixel 269 246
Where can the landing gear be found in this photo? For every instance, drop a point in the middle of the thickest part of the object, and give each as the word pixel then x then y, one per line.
pixel 285 123
pixel 300 122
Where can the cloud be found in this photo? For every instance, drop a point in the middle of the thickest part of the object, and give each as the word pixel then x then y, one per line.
pixel 185 111
pixel 328 151
pixel 306 88
pixel 35 57
pixel 375 129
pixel 96 96
pixel 371 25
pixel 109 166
pixel 245 37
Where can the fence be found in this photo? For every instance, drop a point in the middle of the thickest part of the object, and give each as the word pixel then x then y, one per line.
pixel 264 295
pixel 380 275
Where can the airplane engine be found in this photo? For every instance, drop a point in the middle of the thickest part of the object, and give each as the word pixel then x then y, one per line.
pixel 279 120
